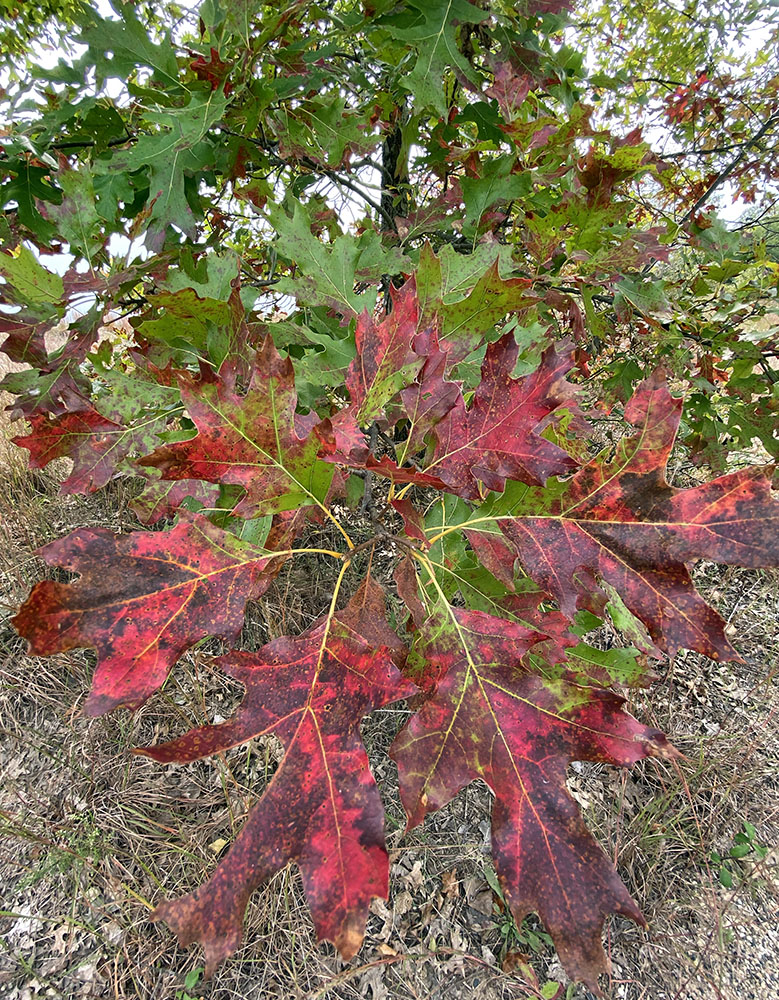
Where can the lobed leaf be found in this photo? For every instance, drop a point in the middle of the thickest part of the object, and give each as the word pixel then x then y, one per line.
pixel 141 600
pixel 249 440
pixel 619 520
pixel 490 717
pixel 322 808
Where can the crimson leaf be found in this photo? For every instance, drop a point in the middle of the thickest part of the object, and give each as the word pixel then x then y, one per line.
pixel 322 808
pixel 141 600
pixel 618 519
pixel 492 718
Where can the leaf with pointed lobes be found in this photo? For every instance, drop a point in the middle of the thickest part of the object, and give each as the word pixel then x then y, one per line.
pixel 509 89
pixel 141 600
pixel 492 718
pixel 322 808
pixel 619 520
pixel 56 384
pixel 413 520
pixel 499 436
pixel 248 440
pixel 25 339
pixel 463 323
pixel 386 361
pixel 57 390
pixel 97 445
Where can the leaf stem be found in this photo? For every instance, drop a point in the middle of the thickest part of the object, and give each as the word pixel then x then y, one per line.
pixel 347 561
pixel 465 524
pixel 299 552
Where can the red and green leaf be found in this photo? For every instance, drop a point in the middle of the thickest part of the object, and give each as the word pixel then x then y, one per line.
pixel 618 520
pixel 249 440
pixel 386 361
pixel 464 321
pixel 492 718
pixel 498 437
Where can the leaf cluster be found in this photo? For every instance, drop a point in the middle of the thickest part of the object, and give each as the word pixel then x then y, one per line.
pixel 379 285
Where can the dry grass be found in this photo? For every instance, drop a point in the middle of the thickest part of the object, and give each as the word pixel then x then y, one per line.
pixel 94 837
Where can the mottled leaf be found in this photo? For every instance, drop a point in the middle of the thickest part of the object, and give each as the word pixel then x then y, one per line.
pixel 432 29
pixel 618 519
pixel 386 360
pixel 29 278
pixel 178 148
pixel 463 320
pixel 322 808
pixel 141 600
pixel 492 718
pixel 164 499
pixel 76 215
pixel 96 444
pixel 249 440
pixel 498 436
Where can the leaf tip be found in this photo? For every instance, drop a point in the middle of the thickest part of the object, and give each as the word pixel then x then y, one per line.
pixel 350 936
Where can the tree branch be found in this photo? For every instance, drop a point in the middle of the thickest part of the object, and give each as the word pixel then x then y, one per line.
pixel 726 171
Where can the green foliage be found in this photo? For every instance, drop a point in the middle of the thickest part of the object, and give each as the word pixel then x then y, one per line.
pixel 746 848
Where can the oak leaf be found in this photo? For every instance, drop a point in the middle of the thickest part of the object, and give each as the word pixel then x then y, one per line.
pixel 464 321
pixel 499 436
pixel 250 439
pixel 322 808
pixel 490 717
pixel 618 520
pixel 97 445
pixel 386 361
pixel 141 600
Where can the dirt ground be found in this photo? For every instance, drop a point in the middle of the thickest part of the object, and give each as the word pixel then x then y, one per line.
pixel 92 837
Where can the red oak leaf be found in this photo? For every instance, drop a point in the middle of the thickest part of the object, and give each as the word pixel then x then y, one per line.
pixel 25 343
pixel 386 360
pixel 96 445
pixel 26 340
pixel 509 89
pixel 344 443
pixel 57 389
pixel 213 70
pixel 322 808
pixel 464 323
pixel 413 521
pixel 405 577
pixel 496 554
pixel 491 718
pixel 141 600
pixel 619 520
pixel 498 437
pixel 249 440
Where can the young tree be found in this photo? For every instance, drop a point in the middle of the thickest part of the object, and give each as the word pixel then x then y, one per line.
pixel 385 267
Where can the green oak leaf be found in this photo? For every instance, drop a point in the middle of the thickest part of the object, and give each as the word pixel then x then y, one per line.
pixel 431 27
pixel 329 272
pixel 29 278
